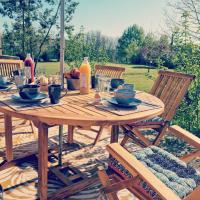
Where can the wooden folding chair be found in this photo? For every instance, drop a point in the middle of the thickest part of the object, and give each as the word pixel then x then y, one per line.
pixel 7 66
pixel 112 72
pixel 170 87
pixel 7 57
pixel 152 173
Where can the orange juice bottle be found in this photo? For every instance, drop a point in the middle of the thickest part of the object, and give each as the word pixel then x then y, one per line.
pixel 85 77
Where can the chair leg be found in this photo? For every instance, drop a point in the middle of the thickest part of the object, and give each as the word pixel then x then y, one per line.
pixel 99 133
pixel 162 132
pixel 34 130
pixel 105 181
pixel 124 140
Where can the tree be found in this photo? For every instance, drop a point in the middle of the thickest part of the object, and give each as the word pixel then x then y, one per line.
pixel 185 10
pixel 101 45
pixel 155 51
pixel 83 44
pixel 32 21
pixel 129 42
pixel 185 57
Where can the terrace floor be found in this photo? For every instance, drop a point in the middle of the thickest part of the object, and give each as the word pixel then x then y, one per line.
pixel 20 182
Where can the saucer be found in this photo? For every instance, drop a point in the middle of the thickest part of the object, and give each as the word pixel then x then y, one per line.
pixel 6 85
pixel 135 103
pixel 39 97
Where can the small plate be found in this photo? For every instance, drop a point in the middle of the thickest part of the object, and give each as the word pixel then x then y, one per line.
pixel 135 103
pixel 40 97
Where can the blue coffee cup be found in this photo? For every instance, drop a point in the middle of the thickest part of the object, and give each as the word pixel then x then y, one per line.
pixel 116 82
pixel 55 93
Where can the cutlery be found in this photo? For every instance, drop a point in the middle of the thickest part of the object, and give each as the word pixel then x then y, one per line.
pixel 149 104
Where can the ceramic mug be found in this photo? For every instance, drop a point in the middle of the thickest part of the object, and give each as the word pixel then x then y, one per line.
pixel 15 73
pixel 116 82
pixel 55 93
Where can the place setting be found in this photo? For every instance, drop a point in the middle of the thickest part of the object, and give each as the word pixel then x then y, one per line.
pixel 29 96
pixel 118 97
pixel 5 83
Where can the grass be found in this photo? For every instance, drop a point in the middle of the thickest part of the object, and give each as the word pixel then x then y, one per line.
pixel 135 74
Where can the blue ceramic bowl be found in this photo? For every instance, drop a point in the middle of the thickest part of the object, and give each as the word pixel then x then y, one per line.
pixel 130 87
pixel 124 96
pixel 29 91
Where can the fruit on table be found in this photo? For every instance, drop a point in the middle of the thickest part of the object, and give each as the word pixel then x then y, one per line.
pixel 43 80
pixel 67 75
pixel 74 74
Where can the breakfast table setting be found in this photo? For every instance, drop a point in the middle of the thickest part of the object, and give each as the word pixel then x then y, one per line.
pixel 111 103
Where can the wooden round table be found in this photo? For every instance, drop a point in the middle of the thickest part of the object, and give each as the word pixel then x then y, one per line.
pixel 75 111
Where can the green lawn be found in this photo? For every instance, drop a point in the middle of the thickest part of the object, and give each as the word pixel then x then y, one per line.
pixel 134 74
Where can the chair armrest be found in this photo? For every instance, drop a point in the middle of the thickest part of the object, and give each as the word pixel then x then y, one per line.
pixel 135 167
pixel 185 135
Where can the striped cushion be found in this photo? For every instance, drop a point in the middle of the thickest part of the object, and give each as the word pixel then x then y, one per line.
pixel 176 174
pixel 155 120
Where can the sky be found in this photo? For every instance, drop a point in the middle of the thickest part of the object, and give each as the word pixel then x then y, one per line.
pixel 112 17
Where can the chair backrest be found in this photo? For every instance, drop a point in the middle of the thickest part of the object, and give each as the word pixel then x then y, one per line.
pixel 9 57
pixel 8 66
pixel 113 72
pixel 171 87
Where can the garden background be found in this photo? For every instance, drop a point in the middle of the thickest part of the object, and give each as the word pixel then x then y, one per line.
pixel 33 27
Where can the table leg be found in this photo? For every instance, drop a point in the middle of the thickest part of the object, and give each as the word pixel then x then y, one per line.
pixel 60 145
pixel 70 135
pixel 114 134
pixel 42 161
pixel 8 137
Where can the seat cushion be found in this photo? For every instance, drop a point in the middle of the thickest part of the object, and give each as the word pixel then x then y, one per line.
pixel 177 175
pixel 154 121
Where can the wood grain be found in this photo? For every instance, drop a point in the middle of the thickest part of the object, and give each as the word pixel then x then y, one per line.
pixel 42 161
pixel 170 88
pixel 80 113
pixel 8 137
pixel 8 66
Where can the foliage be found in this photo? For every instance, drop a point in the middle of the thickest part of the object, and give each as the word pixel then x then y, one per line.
pixel 137 48
pixel 129 42
pixel 155 51
pixel 185 57
pixel 91 44
pixel 31 22
pixel 188 13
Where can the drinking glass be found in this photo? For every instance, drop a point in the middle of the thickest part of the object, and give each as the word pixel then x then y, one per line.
pixel 104 85
pixel 54 79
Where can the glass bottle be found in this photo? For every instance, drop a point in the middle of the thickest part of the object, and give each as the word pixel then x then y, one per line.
pixel 29 68
pixel 85 77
